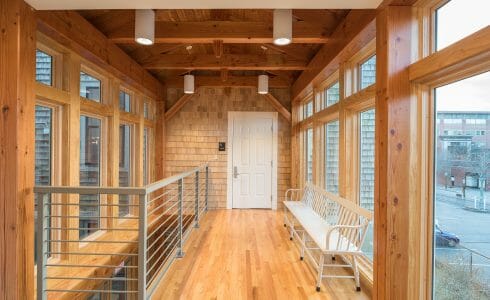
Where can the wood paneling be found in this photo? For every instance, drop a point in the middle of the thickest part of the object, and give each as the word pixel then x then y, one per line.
pixel 17 61
pixel 194 132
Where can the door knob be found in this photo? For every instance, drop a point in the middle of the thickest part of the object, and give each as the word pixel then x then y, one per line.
pixel 235 172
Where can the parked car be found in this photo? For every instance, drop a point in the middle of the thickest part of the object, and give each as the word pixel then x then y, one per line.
pixel 445 238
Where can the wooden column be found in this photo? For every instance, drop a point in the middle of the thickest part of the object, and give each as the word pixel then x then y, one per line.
pixel 394 262
pixel 113 156
pixel 17 73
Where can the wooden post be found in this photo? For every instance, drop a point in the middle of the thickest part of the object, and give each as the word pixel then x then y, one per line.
pixel 394 261
pixel 160 140
pixel 17 102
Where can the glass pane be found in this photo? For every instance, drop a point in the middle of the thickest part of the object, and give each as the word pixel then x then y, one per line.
pixel 89 87
pixel 332 94
pixel 90 139
pixel 124 166
pixel 146 110
pixel 145 156
pixel 367 72
pixel 309 154
pixel 461 212
pixel 473 12
pixel 44 68
pixel 124 101
pixel 332 157
pixel 308 110
pixel 43 155
pixel 366 172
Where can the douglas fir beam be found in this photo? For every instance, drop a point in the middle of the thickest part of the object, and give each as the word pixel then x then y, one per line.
pixel 160 140
pixel 278 106
pixel 395 259
pixel 177 106
pixel 239 81
pixel 17 102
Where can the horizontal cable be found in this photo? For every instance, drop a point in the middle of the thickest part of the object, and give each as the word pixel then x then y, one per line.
pixel 90 278
pixel 90 266
pixel 166 251
pixel 170 233
pixel 158 228
pixel 87 228
pixel 93 217
pixel 93 253
pixel 83 241
pixel 91 291
pixel 89 204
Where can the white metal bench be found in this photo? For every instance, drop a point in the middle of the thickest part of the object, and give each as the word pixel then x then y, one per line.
pixel 329 224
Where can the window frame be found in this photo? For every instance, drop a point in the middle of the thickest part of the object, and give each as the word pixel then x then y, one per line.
pixel 103 84
pixel 352 69
pixel 133 211
pixel 56 65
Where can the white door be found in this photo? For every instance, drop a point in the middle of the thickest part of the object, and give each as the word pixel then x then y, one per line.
pixel 252 160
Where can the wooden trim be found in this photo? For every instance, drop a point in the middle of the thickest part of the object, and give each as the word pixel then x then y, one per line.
pixel 278 106
pixel 95 108
pixel 461 57
pixel 357 29
pixel 178 106
pixel 46 92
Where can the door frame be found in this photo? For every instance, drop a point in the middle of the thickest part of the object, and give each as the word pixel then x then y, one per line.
pixel 232 115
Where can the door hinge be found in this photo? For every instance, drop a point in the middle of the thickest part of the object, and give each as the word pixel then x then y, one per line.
pixel 271 198
pixel 271 163
pixel 272 128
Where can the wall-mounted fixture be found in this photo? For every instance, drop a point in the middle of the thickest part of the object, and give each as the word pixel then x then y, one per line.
pixel 263 86
pixel 144 27
pixel 283 26
pixel 189 84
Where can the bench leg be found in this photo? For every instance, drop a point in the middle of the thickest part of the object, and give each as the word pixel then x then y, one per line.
pixel 291 230
pixel 320 272
pixel 356 273
pixel 303 246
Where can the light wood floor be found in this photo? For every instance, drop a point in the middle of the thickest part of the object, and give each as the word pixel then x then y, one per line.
pixel 246 254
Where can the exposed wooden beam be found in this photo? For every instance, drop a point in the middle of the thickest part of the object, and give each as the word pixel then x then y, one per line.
pixel 218 48
pixel 177 106
pixel 396 3
pixel 227 31
pixel 227 61
pixel 472 50
pixel 345 41
pixel 239 81
pixel 224 75
pixel 278 106
pixel 71 30
pixel 17 102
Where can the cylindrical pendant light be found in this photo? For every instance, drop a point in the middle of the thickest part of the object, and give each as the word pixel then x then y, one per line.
pixel 263 84
pixel 189 84
pixel 144 27
pixel 283 26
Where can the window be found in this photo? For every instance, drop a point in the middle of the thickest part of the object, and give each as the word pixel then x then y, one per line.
pixel 453 121
pixel 332 157
pixel 90 87
pixel 44 67
pixel 124 101
pixel 146 111
pixel 124 166
pixel 146 156
pixel 367 72
pixel 461 232
pixel 366 172
pixel 309 154
pixel 473 12
pixel 90 170
pixel 332 94
pixel 43 155
pixel 308 109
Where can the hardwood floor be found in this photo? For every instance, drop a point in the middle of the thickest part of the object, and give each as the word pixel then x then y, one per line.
pixel 246 254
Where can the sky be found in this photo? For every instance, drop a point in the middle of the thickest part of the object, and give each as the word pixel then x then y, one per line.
pixel 456 20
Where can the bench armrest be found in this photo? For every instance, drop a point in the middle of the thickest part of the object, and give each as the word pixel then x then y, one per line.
pixel 290 192
pixel 354 234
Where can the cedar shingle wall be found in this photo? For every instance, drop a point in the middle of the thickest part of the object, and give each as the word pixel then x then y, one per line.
pixel 194 132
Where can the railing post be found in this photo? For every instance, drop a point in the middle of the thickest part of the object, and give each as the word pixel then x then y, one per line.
pixel 143 223
pixel 207 187
pixel 42 246
pixel 196 205
pixel 180 252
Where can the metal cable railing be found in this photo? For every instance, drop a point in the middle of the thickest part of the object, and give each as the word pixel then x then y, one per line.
pixel 106 252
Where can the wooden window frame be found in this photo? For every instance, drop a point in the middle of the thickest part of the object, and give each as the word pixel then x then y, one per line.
pixel 352 68
pixel 323 87
pixel 86 68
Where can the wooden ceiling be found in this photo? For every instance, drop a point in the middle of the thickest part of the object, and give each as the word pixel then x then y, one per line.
pixel 221 45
